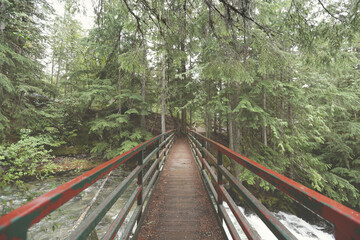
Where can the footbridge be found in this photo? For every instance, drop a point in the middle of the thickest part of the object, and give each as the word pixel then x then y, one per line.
pixel 179 194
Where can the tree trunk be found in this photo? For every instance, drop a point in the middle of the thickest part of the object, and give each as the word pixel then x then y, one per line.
pixel 231 134
pixel 236 131
pixel 66 80
pixel 214 127
pixel 163 94
pixel 191 123
pixel 208 122
pixel 183 70
pixel 58 73
pixel 143 120
pixel 291 125
pixel 119 78
pixel 205 120
pixel 143 92
pixel 291 119
pixel 282 108
pixel 230 121
pixel 264 127
pixel 219 122
pixel 52 69
pixel 220 113
pixel 183 120
pixel 119 91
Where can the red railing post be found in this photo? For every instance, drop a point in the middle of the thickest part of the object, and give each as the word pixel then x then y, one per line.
pixel 202 154
pixel 164 147
pixel 219 183
pixel 158 154
pixel 140 182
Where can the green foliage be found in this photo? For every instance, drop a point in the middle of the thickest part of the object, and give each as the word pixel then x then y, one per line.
pixel 28 157
pixel 290 91
pixel 132 61
pixel 285 83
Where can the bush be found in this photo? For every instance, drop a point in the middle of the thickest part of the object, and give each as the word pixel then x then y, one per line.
pixel 26 158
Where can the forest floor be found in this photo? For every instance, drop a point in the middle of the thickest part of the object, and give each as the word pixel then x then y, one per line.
pixel 82 162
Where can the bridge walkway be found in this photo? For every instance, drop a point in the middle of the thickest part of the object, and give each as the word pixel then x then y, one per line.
pixel 180 208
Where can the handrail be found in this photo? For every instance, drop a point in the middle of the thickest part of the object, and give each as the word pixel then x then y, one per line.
pixel 15 224
pixel 346 220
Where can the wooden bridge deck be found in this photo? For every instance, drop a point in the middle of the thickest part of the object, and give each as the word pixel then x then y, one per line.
pixel 180 208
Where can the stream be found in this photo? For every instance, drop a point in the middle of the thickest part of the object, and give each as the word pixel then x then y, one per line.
pixel 301 229
pixel 58 224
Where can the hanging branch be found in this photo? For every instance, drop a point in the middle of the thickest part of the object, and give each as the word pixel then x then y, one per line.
pixel 138 20
pixel 267 30
pixel 210 5
pixel 211 22
pixel 157 16
pixel 326 10
pixel 150 16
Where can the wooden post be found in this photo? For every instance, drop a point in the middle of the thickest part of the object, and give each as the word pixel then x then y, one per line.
pixel 140 182
pixel 158 155
pixel 219 183
pixel 203 154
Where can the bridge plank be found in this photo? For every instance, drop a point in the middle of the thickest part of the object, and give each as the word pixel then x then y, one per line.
pixel 180 208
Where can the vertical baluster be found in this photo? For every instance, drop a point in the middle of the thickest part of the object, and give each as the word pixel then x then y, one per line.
pixel 158 154
pixel 166 147
pixel 203 154
pixel 140 182
pixel 219 183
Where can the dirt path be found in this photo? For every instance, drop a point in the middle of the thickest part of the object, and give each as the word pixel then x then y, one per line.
pixel 180 208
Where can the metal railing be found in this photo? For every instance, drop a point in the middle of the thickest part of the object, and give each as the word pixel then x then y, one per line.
pixel 15 224
pixel 345 220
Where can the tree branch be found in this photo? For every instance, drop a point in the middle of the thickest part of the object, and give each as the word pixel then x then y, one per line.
pixel 326 10
pixel 153 11
pixel 135 16
pixel 267 30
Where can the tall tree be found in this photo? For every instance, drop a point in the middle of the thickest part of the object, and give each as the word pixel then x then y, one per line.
pixel 21 51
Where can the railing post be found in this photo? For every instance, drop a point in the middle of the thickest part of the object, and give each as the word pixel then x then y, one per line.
pixel 164 146
pixel 219 183
pixel 203 153
pixel 158 154
pixel 140 182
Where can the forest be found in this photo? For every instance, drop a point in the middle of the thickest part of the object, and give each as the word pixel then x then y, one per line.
pixel 277 81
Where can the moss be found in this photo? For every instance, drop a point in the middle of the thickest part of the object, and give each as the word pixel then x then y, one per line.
pixel 68 164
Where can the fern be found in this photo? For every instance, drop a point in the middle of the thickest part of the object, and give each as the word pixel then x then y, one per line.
pixel 132 111
pixel 99 148
pixel 100 125
pixel 341 190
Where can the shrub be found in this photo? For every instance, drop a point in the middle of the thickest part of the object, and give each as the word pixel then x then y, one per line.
pixel 26 158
